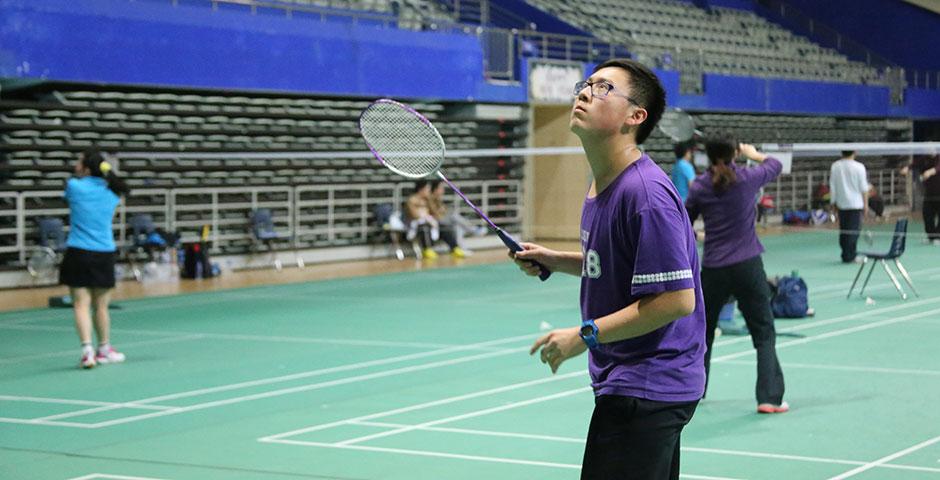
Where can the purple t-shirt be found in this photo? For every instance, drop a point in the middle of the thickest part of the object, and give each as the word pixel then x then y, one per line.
pixel 637 241
pixel 730 236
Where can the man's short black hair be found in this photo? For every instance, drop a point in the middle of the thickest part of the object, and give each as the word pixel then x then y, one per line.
pixel 847 153
pixel 682 148
pixel 646 89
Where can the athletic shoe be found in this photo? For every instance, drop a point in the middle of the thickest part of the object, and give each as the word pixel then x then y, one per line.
pixel 936 243
pixel 771 408
pixel 429 254
pixel 458 252
pixel 88 360
pixel 109 356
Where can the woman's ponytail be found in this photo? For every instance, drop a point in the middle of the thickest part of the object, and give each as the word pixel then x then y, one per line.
pixel 721 148
pixel 99 167
pixel 722 176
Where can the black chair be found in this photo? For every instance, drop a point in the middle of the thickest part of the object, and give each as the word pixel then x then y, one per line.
pixel 898 242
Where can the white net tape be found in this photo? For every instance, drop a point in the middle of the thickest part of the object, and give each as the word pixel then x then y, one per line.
pixel 404 142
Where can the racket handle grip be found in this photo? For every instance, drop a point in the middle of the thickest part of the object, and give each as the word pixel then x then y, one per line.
pixel 544 273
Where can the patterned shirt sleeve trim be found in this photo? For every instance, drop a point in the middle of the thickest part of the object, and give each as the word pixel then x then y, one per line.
pixel 662 277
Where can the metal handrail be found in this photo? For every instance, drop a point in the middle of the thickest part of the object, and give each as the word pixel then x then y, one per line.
pixel 286 211
pixel 289 9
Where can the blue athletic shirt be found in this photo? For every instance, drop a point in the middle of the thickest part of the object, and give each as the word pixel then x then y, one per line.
pixel 92 206
pixel 682 173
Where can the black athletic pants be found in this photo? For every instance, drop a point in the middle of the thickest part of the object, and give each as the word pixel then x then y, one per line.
pixel 747 281
pixel 634 439
pixel 850 223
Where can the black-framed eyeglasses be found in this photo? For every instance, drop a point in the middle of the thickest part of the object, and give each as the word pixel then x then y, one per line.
pixel 600 89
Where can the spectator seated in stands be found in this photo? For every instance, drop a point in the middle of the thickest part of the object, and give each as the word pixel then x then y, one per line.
pixel 453 226
pixel 421 224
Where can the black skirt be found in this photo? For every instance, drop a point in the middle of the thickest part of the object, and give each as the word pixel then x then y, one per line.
pixel 87 269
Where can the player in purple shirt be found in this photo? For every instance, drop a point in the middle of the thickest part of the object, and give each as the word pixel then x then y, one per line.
pixel 725 196
pixel 642 312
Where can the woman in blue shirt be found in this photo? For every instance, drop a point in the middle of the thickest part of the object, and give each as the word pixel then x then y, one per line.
pixel 88 265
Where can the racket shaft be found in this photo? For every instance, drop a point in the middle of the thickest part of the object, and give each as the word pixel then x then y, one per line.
pixel 544 273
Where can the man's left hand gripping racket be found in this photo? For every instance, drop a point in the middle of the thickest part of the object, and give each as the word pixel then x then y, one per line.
pixel 408 144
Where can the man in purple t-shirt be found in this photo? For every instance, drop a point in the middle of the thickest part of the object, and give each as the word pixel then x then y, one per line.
pixel 643 318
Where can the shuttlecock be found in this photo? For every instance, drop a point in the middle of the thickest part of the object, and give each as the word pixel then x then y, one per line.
pixel 869 301
pixel 545 326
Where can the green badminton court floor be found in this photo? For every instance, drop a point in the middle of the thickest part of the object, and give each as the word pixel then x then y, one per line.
pixel 426 375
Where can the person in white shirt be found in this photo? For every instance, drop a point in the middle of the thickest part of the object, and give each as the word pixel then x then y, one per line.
pixel 848 187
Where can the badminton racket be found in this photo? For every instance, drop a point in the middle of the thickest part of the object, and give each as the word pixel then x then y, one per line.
pixel 408 144
pixel 678 125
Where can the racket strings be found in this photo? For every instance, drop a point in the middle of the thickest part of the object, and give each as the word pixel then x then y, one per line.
pixel 403 141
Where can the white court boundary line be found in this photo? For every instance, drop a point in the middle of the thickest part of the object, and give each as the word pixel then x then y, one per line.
pixel 285 391
pixel 67 401
pixel 841 319
pixel 834 333
pixel 480 458
pixel 237 336
pixel 397 428
pixel 847 368
pixel 75 352
pixel 174 410
pixel 106 476
pixel 430 426
pixel 478 413
pixel 422 406
pixel 883 460
pixel 833 291
pixel 580 441
pixel 281 437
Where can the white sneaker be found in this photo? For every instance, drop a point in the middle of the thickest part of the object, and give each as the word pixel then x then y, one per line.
pixel 109 356
pixel 88 360
pixel 936 243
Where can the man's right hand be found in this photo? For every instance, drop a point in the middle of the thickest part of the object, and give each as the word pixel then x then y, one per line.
pixel 533 253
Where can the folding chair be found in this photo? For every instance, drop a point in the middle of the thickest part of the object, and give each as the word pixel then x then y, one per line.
pixel 898 242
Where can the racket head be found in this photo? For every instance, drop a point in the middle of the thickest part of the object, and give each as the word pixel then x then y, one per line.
pixel 677 124
pixel 401 139
pixel 42 262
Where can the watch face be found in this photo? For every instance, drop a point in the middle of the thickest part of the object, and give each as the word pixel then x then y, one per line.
pixel 587 331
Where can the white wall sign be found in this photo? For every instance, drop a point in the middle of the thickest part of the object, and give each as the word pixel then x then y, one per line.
pixel 553 82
